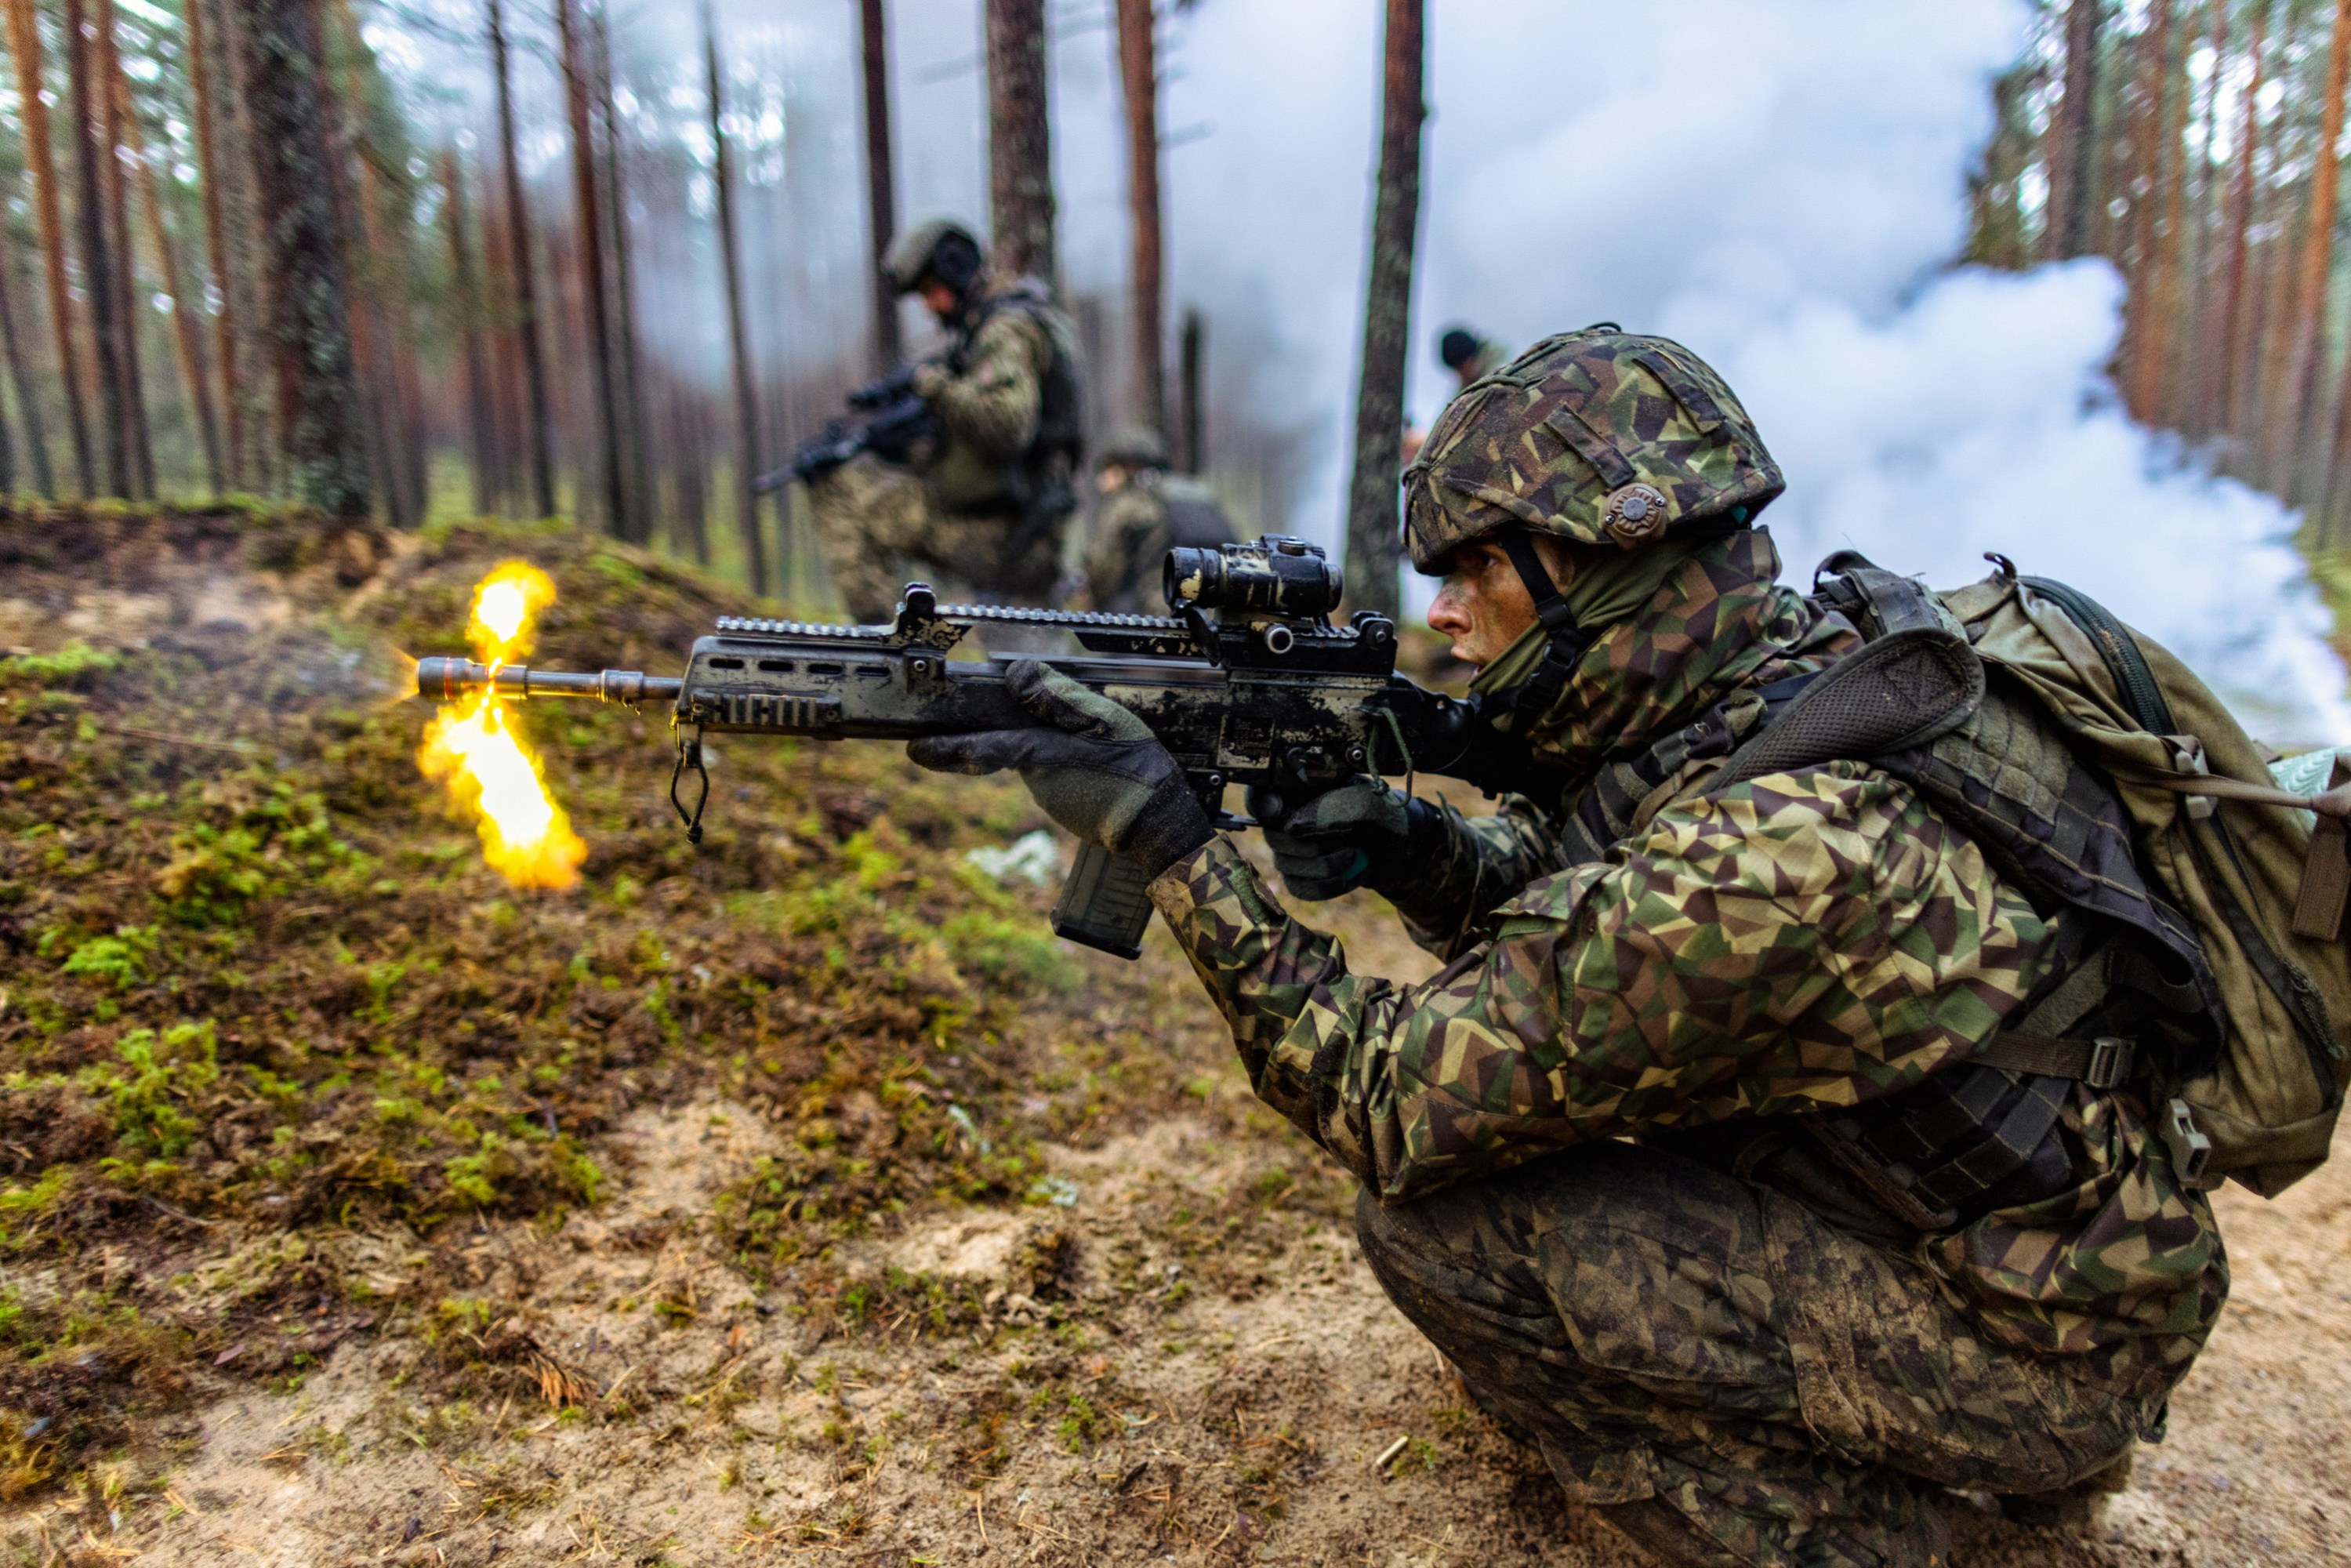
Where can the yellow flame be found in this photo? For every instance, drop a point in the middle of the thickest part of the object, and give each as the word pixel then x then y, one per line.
pixel 471 748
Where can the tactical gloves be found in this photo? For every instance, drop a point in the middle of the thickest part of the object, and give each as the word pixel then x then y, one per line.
pixel 1097 771
pixel 1358 836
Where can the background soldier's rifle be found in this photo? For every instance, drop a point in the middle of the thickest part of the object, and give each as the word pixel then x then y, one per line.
pixel 1248 683
pixel 886 419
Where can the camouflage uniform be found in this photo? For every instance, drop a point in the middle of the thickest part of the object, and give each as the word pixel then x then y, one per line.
pixel 957 514
pixel 1134 529
pixel 1711 1332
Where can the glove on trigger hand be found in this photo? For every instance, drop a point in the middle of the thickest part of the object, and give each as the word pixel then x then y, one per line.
pixel 1351 837
pixel 1097 770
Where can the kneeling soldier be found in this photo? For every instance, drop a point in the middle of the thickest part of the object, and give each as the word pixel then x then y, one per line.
pixel 1144 511
pixel 1617 1156
pixel 981 507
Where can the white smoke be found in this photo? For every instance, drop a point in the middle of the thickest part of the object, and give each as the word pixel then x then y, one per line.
pixel 1779 183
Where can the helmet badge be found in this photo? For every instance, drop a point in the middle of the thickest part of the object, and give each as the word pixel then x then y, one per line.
pixel 1636 513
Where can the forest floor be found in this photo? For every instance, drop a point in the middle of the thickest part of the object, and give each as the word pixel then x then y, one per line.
pixel 794 1198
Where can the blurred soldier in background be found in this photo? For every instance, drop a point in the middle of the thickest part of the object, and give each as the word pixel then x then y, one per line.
pixel 1143 512
pixel 979 505
pixel 1469 357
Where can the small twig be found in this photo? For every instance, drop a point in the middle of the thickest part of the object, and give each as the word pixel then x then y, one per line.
pixel 160 1206
pixel 240 748
pixel 979 1507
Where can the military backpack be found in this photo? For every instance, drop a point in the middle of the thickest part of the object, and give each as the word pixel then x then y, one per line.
pixel 2198 905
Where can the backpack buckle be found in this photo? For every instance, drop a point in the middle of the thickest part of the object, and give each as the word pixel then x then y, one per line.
pixel 2110 1062
pixel 2191 1150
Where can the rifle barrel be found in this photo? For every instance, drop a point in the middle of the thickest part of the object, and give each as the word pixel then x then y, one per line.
pixel 446 680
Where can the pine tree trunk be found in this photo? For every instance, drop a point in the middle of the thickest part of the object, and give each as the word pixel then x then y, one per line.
pixel 1373 543
pixel 20 374
pixel 1138 65
pixel 234 247
pixel 881 196
pixel 2236 303
pixel 2074 160
pixel 97 256
pixel 589 223
pixel 199 65
pixel 187 332
pixel 2143 184
pixel 1194 364
pixel 2150 355
pixel 106 62
pixel 738 339
pixel 2291 402
pixel 376 350
pixel 319 414
pixel 1019 141
pixel 637 461
pixel 25 47
pixel 481 426
pixel 539 441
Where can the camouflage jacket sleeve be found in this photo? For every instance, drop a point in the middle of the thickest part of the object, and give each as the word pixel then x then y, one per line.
pixel 995 402
pixel 1475 865
pixel 1131 538
pixel 1798 942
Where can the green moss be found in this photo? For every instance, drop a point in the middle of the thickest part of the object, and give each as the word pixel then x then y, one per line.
pixel 69 665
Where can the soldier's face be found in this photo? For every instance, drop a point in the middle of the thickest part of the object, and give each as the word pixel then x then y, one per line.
pixel 939 297
pixel 1482 605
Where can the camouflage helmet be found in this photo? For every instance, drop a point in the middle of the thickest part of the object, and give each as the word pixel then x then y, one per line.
pixel 937 247
pixel 1133 446
pixel 1598 436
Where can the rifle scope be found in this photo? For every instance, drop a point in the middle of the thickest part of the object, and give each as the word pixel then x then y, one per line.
pixel 1277 575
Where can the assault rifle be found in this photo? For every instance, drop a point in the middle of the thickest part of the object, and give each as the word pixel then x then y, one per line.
pixel 1247 681
pixel 895 421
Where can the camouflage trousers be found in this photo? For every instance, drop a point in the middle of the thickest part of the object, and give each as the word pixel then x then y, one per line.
pixel 880 528
pixel 1725 1375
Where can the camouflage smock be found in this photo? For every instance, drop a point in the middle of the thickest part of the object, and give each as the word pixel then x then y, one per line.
pixel 989 396
pixel 1794 942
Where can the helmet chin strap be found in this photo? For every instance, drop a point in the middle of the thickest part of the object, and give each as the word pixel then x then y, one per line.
pixel 1568 642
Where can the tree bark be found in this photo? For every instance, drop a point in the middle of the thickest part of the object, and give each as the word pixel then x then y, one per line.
pixel 2072 166
pixel 481 424
pixel 187 333
pixel 881 194
pixel 2142 184
pixel 106 62
pixel 588 220
pixel 1138 66
pixel 233 244
pixel 2289 421
pixel 20 372
pixel 1373 549
pixel 636 455
pixel 1193 369
pixel 97 256
pixel 538 441
pixel 1019 141
pixel 25 47
pixel 200 87
pixel 738 339
pixel 319 417
pixel 2151 350
pixel 2235 303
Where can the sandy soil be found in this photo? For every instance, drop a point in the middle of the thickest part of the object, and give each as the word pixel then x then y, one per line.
pixel 1186 1362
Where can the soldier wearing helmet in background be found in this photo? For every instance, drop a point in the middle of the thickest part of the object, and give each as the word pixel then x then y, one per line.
pixel 1144 511
pixel 1469 357
pixel 1645 1158
pixel 980 506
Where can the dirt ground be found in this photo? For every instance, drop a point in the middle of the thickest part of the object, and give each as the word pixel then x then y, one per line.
pixel 1115 1415
pixel 1154 1341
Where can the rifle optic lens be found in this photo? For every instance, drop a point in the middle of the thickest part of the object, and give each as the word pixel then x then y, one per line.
pixel 1277 575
